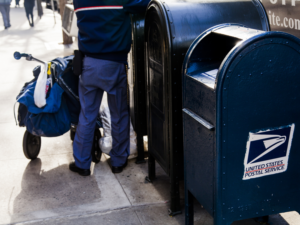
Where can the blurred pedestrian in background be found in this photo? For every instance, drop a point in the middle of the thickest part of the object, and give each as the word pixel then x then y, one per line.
pixel 29 4
pixel 4 9
pixel 39 8
pixel 17 3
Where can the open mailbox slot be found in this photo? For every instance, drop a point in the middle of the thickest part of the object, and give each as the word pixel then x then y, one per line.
pixel 209 50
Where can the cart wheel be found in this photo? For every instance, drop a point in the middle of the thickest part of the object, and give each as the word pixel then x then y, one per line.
pixel 31 145
pixel 96 151
pixel 72 135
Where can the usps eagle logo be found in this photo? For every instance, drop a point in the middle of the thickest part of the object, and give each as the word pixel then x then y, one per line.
pixel 267 151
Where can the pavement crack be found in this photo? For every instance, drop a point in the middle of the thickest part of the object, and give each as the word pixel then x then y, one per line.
pixel 10 201
pixel 138 217
pixel 83 215
pixel 123 190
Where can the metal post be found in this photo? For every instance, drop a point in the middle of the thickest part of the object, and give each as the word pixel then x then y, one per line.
pixel 151 160
pixel 175 208
pixel 151 169
pixel 189 208
pixel 140 148
pixel 52 6
pixel 66 39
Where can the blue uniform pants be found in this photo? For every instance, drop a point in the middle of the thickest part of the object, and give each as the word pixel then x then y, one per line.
pixel 98 76
pixel 4 9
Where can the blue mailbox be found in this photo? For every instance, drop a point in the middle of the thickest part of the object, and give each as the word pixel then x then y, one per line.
pixel 241 122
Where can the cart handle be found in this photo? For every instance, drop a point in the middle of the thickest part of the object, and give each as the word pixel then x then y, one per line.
pixel 18 55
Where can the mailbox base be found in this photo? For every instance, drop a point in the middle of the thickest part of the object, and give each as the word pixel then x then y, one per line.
pixel 175 208
pixel 140 161
pixel 189 213
pixel 172 213
pixel 151 169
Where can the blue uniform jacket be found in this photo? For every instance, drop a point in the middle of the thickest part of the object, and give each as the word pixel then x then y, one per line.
pixel 105 27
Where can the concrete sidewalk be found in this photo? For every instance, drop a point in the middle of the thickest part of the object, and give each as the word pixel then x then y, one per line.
pixel 44 191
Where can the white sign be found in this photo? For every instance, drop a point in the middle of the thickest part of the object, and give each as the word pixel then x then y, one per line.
pixel 283 15
pixel 267 152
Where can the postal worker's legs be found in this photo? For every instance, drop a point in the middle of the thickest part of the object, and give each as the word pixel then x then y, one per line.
pixel 98 76
pixel 4 9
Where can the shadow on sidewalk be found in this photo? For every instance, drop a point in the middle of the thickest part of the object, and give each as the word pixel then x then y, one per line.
pixel 48 192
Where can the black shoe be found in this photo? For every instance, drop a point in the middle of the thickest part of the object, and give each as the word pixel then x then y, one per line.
pixel 81 172
pixel 119 169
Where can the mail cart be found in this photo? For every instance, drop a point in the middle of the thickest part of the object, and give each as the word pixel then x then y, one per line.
pixel 241 123
pixel 170 28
